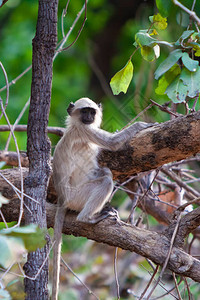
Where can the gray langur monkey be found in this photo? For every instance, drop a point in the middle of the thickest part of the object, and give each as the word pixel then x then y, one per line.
pixel 81 184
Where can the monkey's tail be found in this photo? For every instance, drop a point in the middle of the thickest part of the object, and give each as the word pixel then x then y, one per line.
pixel 59 220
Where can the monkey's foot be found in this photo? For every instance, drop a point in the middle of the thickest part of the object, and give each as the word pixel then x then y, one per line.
pixel 107 212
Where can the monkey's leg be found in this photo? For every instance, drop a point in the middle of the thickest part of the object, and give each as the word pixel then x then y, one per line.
pixel 95 194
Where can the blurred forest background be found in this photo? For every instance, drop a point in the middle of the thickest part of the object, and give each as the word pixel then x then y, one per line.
pixel 102 49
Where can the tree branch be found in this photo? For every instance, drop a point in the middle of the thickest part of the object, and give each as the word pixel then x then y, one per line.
pixel 149 244
pixel 151 148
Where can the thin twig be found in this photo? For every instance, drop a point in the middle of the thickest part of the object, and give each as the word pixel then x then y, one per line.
pixel 17 78
pixel 71 28
pixel 40 268
pixel 138 115
pixel 176 285
pixel 4 220
pixel 19 161
pixel 168 255
pixel 22 128
pixel 16 122
pixel 192 14
pixel 116 275
pixel 7 87
pixel 64 12
pixel 164 108
pixel 173 176
pixel 16 189
pixel 149 283
pixel 87 288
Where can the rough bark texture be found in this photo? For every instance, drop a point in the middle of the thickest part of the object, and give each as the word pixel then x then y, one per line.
pixel 38 144
pixel 155 146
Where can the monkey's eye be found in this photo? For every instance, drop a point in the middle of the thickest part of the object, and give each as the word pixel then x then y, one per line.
pixel 88 110
pixel 93 112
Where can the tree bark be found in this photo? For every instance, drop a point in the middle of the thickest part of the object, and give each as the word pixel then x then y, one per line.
pixel 150 148
pixel 38 144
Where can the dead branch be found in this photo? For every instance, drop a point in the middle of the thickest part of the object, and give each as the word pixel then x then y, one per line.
pixel 22 128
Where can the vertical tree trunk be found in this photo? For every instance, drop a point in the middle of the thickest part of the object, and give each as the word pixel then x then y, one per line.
pixel 38 144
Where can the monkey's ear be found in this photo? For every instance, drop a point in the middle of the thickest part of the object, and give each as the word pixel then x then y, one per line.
pixel 100 106
pixel 70 108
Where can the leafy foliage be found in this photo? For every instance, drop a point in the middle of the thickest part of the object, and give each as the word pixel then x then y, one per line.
pixel 180 70
pixel 16 241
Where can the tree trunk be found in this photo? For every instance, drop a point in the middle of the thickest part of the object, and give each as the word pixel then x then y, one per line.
pixel 38 144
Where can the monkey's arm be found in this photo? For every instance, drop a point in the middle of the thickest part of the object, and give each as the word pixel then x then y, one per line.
pixel 113 141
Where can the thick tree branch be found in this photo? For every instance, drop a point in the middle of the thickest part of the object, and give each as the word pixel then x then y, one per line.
pixel 173 140
pixel 149 244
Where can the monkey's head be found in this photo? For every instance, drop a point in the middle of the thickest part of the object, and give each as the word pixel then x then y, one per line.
pixel 85 111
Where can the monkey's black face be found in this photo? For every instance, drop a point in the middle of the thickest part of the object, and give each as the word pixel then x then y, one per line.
pixel 87 115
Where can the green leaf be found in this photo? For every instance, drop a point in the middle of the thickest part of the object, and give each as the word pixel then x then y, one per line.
pixel 11 250
pixel 186 34
pixel 164 7
pixel 148 53
pixel 177 91
pixel 9 224
pixel 197 50
pixel 32 236
pixel 121 80
pixel 3 293
pixel 191 80
pixel 159 22
pixel 189 63
pixel 151 19
pixel 168 63
pixel 144 39
pixel 166 79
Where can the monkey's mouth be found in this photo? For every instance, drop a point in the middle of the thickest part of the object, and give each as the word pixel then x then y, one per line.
pixel 87 122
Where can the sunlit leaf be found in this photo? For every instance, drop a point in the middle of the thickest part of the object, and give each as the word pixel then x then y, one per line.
pixel 148 53
pixel 11 250
pixel 159 22
pixel 32 236
pixel 121 80
pixel 164 7
pixel 189 63
pixel 166 79
pixel 168 63
pixel 197 50
pixel 177 91
pixel 192 81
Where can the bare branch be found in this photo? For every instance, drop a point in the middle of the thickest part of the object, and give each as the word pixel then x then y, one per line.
pixel 191 13
pixel 21 128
